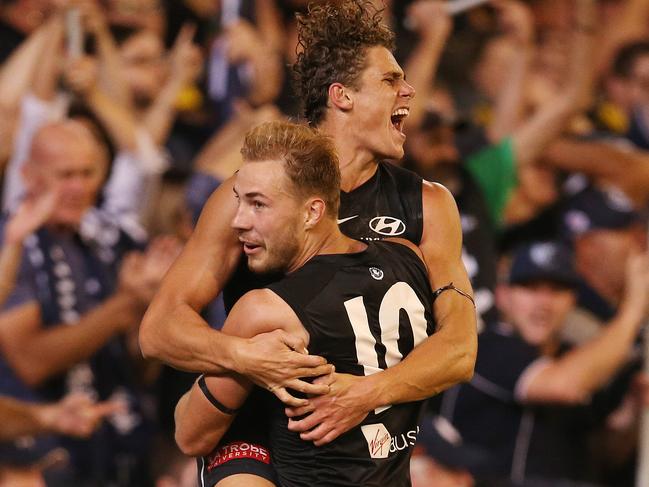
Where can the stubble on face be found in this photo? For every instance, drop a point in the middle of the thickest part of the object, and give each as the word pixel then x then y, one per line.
pixel 279 251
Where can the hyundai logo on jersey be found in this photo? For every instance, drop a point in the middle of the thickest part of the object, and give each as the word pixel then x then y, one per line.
pixel 387 225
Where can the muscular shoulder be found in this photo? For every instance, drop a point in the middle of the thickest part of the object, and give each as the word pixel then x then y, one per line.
pixel 437 197
pixel 442 230
pixel 260 311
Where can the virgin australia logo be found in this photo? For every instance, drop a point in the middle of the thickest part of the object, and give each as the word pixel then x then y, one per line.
pixel 387 225
pixel 378 440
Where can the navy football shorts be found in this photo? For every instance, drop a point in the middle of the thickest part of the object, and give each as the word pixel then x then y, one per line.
pixel 244 449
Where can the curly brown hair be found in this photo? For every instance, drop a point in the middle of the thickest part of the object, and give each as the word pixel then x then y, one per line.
pixel 332 44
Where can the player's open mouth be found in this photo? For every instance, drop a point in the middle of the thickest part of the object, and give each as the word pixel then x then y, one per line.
pixel 250 248
pixel 398 117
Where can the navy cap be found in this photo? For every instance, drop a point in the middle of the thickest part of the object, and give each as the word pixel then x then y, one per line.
pixel 444 443
pixel 543 261
pixel 593 209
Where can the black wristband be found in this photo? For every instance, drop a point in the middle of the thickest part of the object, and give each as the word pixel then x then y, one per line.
pixel 215 402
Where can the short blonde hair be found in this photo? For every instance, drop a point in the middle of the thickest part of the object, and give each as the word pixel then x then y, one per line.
pixel 309 158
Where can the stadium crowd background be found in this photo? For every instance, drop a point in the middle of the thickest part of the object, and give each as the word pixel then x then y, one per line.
pixel 535 114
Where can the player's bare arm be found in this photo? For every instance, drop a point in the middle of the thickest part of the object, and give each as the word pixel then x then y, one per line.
pixel 417 377
pixel 199 423
pixel 174 332
pixel 455 342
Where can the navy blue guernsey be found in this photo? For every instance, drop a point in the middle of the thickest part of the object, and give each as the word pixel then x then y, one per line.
pixel 364 312
pixel 389 204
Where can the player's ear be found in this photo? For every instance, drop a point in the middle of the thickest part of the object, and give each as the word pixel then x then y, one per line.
pixel 316 209
pixel 340 97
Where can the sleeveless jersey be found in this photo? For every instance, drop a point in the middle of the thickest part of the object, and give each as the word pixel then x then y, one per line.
pixel 389 204
pixel 364 312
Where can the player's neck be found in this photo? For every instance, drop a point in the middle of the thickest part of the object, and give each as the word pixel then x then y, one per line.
pixel 356 171
pixel 326 240
pixel 357 164
pixel 335 242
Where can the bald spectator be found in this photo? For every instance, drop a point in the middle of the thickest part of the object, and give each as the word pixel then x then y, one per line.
pixel 78 293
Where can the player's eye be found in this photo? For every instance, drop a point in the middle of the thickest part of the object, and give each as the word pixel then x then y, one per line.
pixel 258 205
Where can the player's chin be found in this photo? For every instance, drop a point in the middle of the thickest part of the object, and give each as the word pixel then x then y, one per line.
pixel 396 152
pixel 255 265
pixel 264 266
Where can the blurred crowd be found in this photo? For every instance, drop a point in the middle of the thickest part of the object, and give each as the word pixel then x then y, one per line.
pixel 118 118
